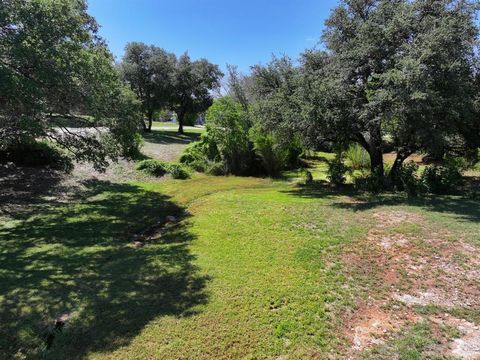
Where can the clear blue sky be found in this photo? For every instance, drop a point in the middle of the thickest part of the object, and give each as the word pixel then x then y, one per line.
pixel 240 32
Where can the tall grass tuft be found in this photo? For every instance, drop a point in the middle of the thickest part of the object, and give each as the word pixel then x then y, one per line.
pixel 357 157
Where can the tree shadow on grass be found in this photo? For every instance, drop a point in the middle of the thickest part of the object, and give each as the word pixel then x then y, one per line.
pixel 77 260
pixel 167 137
pixel 465 209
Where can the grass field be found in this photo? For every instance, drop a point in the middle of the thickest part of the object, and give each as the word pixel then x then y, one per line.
pixel 254 269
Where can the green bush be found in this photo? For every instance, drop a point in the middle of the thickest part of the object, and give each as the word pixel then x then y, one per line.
pixel 337 171
pixel 369 182
pixel 232 144
pixel 269 150
pixel 444 178
pixel 153 167
pixel 179 171
pixel 132 149
pixel 357 157
pixel 199 154
pixel 215 169
pixel 39 153
pixel 160 168
pixel 407 179
pixel 228 125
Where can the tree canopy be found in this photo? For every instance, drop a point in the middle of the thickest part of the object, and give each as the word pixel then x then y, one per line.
pixel 149 70
pixel 398 72
pixel 161 81
pixel 55 70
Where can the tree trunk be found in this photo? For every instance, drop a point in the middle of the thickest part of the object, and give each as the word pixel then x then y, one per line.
pixel 402 155
pixel 376 161
pixel 150 121
pixel 180 118
pixel 144 126
pixel 376 153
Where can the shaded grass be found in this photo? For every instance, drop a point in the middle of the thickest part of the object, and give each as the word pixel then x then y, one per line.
pixel 74 259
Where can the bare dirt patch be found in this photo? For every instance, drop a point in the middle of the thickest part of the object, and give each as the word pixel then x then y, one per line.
pixel 429 268
pixel 372 325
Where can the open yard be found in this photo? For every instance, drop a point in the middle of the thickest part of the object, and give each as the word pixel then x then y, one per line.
pixel 250 268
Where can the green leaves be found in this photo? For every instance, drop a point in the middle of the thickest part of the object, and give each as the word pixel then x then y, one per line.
pixel 54 65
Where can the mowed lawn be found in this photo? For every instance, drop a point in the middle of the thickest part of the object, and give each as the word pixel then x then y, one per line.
pixel 255 269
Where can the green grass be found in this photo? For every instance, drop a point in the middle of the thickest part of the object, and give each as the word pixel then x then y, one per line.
pixel 254 270
pixel 411 344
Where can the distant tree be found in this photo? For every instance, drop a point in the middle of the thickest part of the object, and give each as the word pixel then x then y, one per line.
pixel 193 83
pixel 239 86
pixel 55 68
pixel 149 71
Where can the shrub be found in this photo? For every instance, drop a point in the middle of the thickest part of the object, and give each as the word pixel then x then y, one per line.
pixel 132 149
pixel 179 171
pixel 160 168
pixel 228 125
pixel 272 154
pixel 369 182
pixel 357 157
pixel 153 167
pixel 337 171
pixel 37 154
pixel 199 154
pixel 215 169
pixel 443 179
pixel 407 179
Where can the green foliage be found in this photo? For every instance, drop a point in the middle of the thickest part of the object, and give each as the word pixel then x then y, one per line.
pixel 200 154
pixel 160 168
pixel 37 154
pixel 372 183
pixel 153 167
pixel 55 66
pixel 190 119
pixel 270 151
pixel 148 71
pixel 228 127
pixel 215 168
pixel 444 178
pixel 179 171
pixel 397 73
pixel 357 157
pixel 407 179
pixel 192 85
pixel 238 142
pixel 337 171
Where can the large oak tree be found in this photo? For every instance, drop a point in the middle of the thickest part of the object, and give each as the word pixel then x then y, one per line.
pixel 397 71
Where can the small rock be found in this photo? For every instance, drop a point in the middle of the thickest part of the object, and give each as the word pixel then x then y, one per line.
pixel 138 244
pixel 171 219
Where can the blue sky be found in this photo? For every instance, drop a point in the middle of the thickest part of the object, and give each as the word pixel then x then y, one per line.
pixel 240 32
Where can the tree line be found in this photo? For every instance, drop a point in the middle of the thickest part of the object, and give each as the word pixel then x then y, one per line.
pixel 397 75
pixel 394 75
